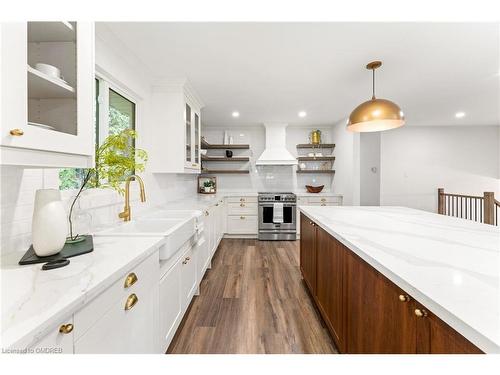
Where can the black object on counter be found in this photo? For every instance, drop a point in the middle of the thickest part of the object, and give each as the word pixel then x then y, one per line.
pixel 55 264
pixel 69 250
pixel 229 153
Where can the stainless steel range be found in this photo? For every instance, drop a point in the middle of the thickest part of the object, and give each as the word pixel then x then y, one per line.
pixel 277 216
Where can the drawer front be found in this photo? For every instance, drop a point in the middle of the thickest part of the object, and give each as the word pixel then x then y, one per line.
pixel 324 199
pixel 242 224
pixel 323 204
pixel 242 208
pixel 136 281
pixel 58 340
pixel 241 199
pixel 128 327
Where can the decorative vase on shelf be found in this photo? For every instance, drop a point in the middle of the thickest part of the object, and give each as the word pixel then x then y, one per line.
pixel 50 226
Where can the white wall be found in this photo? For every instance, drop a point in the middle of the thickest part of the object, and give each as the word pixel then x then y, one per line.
pixel 416 161
pixel 370 169
pixel 347 163
pixel 18 185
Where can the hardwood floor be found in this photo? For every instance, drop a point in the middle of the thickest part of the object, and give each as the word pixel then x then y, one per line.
pixel 252 301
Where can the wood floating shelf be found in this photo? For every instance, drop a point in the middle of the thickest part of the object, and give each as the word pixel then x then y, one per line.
pixel 208 146
pixel 321 145
pixel 225 159
pixel 328 171
pixel 316 158
pixel 226 171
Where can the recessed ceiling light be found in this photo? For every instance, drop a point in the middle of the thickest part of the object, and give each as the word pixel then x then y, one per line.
pixel 235 114
pixel 302 114
pixel 460 114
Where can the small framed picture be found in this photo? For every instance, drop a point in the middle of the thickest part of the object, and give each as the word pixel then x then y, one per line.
pixel 207 184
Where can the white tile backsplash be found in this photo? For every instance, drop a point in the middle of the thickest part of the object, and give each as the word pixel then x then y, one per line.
pixel 17 195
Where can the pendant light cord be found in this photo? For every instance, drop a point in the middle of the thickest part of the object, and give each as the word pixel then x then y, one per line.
pixel 373 84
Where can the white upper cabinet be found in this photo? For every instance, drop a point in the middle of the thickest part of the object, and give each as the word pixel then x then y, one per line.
pixel 47 116
pixel 175 146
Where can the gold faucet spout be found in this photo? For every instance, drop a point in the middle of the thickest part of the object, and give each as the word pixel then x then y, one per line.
pixel 126 213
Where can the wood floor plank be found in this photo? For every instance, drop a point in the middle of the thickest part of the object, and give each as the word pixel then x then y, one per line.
pixel 253 301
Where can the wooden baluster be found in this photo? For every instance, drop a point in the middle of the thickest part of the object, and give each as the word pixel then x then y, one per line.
pixel 489 202
pixel 441 202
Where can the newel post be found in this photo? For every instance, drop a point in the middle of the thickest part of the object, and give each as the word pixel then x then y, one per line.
pixel 441 202
pixel 489 207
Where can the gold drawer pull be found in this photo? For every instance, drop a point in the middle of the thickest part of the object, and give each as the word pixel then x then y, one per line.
pixel 130 280
pixel 323 200
pixel 242 204
pixel 421 313
pixel 404 298
pixel 323 204
pixel 217 205
pixel 131 301
pixel 242 199
pixel 17 132
pixel 66 328
pixel 242 217
pixel 207 213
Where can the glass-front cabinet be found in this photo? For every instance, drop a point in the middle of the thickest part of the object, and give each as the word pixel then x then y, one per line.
pixel 192 136
pixel 47 93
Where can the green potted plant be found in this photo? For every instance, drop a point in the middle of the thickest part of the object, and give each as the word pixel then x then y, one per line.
pixel 116 158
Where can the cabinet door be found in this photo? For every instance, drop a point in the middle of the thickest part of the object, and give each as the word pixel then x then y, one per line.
pixel 188 277
pixel 197 139
pixel 64 109
pixel 170 304
pixel 308 252
pixel 378 321
pixel 436 337
pixel 58 341
pixel 188 161
pixel 122 331
pixel 329 284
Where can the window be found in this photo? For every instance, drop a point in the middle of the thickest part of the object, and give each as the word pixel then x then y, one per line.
pixel 114 113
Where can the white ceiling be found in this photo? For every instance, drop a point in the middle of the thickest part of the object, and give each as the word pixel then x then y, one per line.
pixel 270 71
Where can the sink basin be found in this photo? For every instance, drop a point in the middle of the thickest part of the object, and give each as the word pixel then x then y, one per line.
pixel 143 228
pixel 173 214
pixel 176 232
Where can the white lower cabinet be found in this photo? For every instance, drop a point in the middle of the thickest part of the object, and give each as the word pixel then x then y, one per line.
pixel 124 318
pixel 170 304
pixel 243 224
pixel 58 340
pixel 188 277
pixel 322 200
pixel 242 216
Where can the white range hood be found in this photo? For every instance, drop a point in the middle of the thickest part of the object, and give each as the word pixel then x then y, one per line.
pixel 275 152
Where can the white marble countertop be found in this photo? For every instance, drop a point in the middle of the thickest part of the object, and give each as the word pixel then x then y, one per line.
pixel 450 265
pixel 34 300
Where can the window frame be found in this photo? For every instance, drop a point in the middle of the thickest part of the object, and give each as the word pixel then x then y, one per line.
pixel 105 83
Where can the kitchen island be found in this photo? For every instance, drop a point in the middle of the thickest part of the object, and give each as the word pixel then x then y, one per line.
pixel 400 280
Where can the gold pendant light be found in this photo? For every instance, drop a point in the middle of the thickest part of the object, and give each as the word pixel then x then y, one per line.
pixel 376 114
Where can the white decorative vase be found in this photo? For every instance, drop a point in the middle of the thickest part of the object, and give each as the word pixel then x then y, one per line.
pixel 50 225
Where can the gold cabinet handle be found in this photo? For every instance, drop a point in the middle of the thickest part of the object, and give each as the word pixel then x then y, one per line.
pixel 421 313
pixel 404 298
pixel 242 199
pixel 17 132
pixel 130 280
pixel 242 217
pixel 207 213
pixel 323 204
pixel 217 205
pixel 66 328
pixel 242 204
pixel 323 200
pixel 131 301
pixel 188 258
